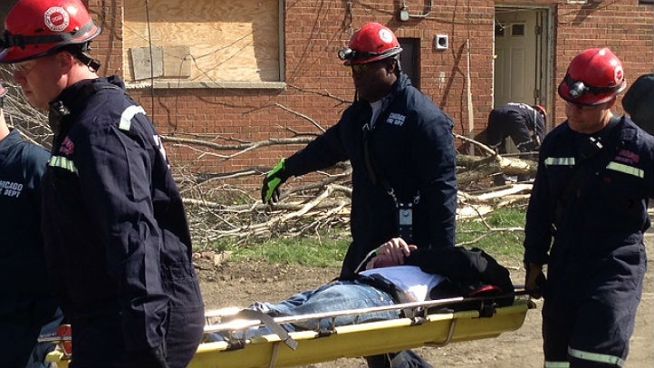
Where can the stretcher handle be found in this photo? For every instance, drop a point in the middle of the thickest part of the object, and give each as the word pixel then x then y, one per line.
pixel 54 339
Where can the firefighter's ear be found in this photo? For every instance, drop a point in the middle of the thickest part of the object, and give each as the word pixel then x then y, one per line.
pixel 64 60
pixel 389 65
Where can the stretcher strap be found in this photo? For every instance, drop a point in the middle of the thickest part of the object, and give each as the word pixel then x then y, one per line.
pixel 271 324
pixel 275 354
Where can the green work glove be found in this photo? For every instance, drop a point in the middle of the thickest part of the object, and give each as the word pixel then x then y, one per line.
pixel 272 181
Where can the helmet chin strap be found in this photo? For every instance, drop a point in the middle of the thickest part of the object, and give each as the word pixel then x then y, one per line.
pixel 81 53
pixel 86 59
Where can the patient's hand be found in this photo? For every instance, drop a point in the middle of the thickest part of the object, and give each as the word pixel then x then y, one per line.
pixel 391 253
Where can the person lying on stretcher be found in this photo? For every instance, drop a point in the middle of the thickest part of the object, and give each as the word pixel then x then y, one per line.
pixel 395 275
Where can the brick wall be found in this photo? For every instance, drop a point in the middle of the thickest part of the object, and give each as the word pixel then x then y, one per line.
pixel 315 31
pixel 108 46
pixel 623 26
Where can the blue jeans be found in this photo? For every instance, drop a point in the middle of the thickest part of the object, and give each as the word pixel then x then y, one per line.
pixel 337 296
pixel 37 357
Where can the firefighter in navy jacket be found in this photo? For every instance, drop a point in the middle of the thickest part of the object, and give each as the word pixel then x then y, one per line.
pixel 28 305
pixel 116 235
pixel 525 125
pixel 586 219
pixel 401 149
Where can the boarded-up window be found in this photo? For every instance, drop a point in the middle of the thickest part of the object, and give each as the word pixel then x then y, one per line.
pixel 202 41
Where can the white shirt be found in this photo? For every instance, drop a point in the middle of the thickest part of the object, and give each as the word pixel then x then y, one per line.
pixel 410 280
pixel 376 110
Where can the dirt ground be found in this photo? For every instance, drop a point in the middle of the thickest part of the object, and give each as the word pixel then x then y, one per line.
pixel 237 284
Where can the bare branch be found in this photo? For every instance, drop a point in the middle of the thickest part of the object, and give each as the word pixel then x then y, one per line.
pixel 303 116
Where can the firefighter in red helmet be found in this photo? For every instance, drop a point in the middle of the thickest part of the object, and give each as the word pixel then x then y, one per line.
pixel 586 219
pixel 115 233
pixel 402 153
pixel 39 28
pixel 373 42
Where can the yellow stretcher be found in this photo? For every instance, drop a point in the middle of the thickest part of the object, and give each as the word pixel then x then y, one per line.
pixel 370 338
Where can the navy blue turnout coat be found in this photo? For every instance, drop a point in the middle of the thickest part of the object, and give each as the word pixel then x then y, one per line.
pixel 411 148
pixel 116 234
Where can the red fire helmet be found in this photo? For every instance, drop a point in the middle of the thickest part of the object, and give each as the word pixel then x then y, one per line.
pixel 540 109
pixel 371 43
pixel 35 28
pixel 594 77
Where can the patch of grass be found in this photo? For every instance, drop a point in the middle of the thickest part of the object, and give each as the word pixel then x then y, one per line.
pixel 329 249
pixel 505 245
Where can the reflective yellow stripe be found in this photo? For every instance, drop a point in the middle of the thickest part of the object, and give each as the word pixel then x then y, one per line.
pixel 595 357
pixel 127 115
pixel 557 364
pixel 560 161
pixel 626 169
pixel 63 163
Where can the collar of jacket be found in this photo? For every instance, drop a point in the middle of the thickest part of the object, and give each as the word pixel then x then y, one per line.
pixel 400 85
pixel 72 100
pixel 73 97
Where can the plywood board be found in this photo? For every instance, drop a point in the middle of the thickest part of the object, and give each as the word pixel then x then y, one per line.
pixel 142 68
pixel 227 40
pixel 177 62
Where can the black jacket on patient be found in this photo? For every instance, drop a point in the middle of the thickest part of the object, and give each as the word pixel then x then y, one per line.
pixel 469 273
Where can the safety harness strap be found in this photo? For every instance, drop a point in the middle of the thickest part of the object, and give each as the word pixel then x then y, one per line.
pixel 601 151
pixel 404 206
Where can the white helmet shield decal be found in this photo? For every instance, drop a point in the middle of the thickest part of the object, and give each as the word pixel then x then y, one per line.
pixel 385 35
pixel 56 19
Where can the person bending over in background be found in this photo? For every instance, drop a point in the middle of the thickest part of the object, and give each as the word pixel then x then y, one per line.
pixel 524 124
